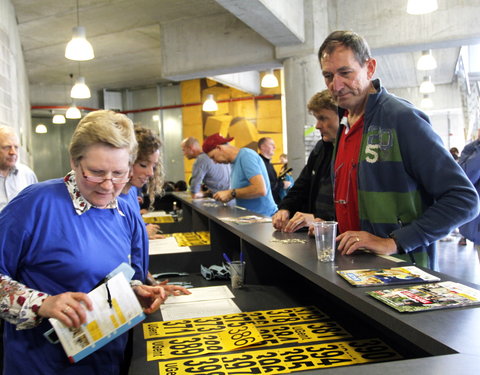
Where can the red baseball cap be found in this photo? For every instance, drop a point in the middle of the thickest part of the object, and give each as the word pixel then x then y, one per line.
pixel 213 141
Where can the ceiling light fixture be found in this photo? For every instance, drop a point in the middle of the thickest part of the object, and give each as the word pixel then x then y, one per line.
pixel 80 90
pixel 79 48
pixel 210 105
pixel 427 102
pixel 427 87
pixel 269 80
pixel 417 7
pixel 58 119
pixel 73 112
pixel 426 61
pixel 40 129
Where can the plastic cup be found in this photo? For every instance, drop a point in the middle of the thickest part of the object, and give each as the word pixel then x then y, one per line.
pixel 237 273
pixel 325 234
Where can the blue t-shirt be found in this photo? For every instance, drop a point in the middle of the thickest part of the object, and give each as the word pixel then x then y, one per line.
pixel 246 165
pixel 47 246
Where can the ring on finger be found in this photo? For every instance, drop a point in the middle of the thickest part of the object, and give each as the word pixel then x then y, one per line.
pixel 357 239
pixel 66 309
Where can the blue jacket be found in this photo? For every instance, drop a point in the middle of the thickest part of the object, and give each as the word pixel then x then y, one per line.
pixel 409 186
pixel 470 162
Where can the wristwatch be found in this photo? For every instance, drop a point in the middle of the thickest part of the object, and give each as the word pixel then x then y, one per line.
pixel 233 193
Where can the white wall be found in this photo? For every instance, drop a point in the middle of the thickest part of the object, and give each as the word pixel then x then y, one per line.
pixel 14 99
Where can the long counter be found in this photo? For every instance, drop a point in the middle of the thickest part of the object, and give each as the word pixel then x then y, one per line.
pixel 284 275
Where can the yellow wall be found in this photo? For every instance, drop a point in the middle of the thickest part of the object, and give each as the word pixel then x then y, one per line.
pixel 245 120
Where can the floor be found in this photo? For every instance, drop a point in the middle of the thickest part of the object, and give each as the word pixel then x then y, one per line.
pixel 459 261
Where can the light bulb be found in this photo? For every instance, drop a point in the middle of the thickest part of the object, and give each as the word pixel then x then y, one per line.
pixel 73 112
pixel 427 87
pixel 426 102
pixel 79 48
pixel 80 90
pixel 40 129
pixel 417 7
pixel 426 61
pixel 269 80
pixel 210 105
pixel 58 119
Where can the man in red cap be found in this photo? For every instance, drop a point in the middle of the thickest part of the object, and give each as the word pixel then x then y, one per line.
pixel 249 183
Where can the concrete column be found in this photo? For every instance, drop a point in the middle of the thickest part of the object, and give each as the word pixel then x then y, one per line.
pixel 302 79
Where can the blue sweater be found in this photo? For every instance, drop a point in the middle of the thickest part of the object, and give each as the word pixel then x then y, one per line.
pixel 48 247
pixel 408 183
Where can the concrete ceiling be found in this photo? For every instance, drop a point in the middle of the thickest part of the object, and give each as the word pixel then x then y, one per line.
pixel 126 36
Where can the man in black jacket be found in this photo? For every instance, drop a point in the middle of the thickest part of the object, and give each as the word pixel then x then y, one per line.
pixel 311 195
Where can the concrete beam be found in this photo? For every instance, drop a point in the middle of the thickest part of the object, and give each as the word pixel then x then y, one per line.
pixel 278 21
pixel 390 29
pixel 210 46
pixel 244 81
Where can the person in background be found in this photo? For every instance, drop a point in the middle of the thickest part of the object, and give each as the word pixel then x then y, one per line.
pixel 470 162
pixel 147 171
pixel 14 176
pixel 181 185
pixel 266 147
pixel 390 197
pixel 249 180
pixel 205 171
pixel 312 195
pixel 60 238
pixel 454 152
pixel 285 175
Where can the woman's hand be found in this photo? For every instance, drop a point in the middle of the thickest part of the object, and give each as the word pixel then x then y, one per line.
pixel 351 241
pixel 152 230
pixel 173 290
pixel 150 297
pixel 69 308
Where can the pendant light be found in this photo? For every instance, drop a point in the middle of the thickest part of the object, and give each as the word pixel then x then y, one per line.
pixel 427 102
pixel 426 61
pixel 210 105
pixel 79 48
pixel 417 7
pixel 427 87
pixel 58 119
pixel 80 90
pixel 73 112
pixel 40 129
pixel 269 80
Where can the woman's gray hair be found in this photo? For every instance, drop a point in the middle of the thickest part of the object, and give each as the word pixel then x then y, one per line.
pixel 106 127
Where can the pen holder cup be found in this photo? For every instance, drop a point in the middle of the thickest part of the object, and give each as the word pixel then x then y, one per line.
pixel 237 273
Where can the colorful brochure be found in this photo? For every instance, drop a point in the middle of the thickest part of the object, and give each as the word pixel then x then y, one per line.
pixel 387 276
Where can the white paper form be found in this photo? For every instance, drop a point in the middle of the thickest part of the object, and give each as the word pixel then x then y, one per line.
pixel 156 214
pixel 203 302
pixel 200 309
pixel 166 245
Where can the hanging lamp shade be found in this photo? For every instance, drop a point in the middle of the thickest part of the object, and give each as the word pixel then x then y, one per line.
pixel 269 80
pixel 426 102
pixel 210 105
pixel 427 87
pixel 426 61
pixel 73 112
pixel 79 48
pixel 80 90
pixel 40 129
pixel 58 119
pixel 417 7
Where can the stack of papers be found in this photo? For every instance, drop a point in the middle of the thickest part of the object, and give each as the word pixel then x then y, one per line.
pixel 203 302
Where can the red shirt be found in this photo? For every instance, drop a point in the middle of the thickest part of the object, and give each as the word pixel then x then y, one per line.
pixel 346 163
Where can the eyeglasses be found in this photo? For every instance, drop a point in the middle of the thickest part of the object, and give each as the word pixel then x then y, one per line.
pixel 101 179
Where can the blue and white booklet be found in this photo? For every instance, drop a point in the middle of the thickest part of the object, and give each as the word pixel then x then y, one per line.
pixel 115 310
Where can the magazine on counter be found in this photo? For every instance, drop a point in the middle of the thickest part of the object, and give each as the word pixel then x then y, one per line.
pixel 425 297
pixel 387 276
pixel 115 310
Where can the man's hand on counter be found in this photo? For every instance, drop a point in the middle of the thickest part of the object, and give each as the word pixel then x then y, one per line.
pixel 223 196
pixel 351 241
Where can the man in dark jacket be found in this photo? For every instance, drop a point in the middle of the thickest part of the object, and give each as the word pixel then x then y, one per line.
pixel 311 195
